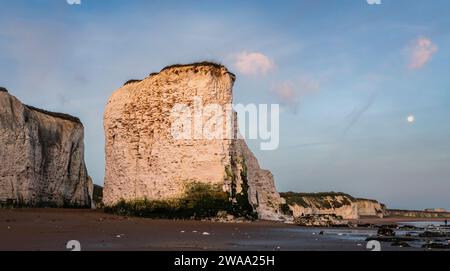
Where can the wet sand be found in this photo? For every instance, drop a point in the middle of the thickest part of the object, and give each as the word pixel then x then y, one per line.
pixel 51 229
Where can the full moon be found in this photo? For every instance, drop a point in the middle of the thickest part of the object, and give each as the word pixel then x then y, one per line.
pixel 411 119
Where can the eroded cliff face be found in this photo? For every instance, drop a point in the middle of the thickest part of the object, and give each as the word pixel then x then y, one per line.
pixel 339 204
pixel 144 160
pixel 303 204
pixel 371 208
pixel 41 157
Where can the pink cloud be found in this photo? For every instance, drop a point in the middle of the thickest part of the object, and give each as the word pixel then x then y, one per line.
pixel 289 93
pixel 253 63
pixel 421 53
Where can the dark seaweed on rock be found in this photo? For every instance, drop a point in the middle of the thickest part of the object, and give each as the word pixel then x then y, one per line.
pixel 201 201
pixel 2 89
pixel 55 114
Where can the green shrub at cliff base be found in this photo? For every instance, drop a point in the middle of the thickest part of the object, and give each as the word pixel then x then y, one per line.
pixel 201 201
pixel 144 208
pixel 243 205
pixel 286 210
pixel 204 200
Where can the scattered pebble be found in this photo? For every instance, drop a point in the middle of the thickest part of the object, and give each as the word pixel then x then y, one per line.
pixel 120 235
pixel 194 231
pixel 182 231
pixel 206 233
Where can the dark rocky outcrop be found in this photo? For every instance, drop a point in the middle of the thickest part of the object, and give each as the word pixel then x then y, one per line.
pixel 385 231
pixel 98 196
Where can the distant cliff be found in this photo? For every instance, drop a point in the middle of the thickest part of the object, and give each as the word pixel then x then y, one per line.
pixel 418 214
pixel 339 204
pixel 41 157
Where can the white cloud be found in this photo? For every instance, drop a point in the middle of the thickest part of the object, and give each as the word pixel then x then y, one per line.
pixel 289 93
pixel 374 2
pixel 253 63
pixel 74 2
pixel 421 52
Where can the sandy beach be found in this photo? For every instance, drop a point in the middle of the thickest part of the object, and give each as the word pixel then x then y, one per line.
pixel 51 229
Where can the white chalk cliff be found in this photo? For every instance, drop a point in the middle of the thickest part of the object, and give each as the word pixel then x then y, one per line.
pixel 41 157
pixel 339 204
pixel 144 160
pixel 368 207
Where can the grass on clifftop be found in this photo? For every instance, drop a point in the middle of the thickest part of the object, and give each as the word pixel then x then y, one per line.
pixel 195 64
pixel 319 198
pixel 200 64
pixel 200 201
pixel 55 114
pixel 131 81
pixel 363 199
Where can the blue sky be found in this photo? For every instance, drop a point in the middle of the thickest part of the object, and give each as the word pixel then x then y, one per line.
pixel 347 74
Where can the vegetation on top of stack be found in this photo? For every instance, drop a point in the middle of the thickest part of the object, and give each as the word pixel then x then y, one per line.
pixel 200 64
pixel 132 81
pixel 196 64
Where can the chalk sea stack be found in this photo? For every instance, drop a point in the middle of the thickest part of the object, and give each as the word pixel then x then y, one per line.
pixel 41 157
pixel 144 160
